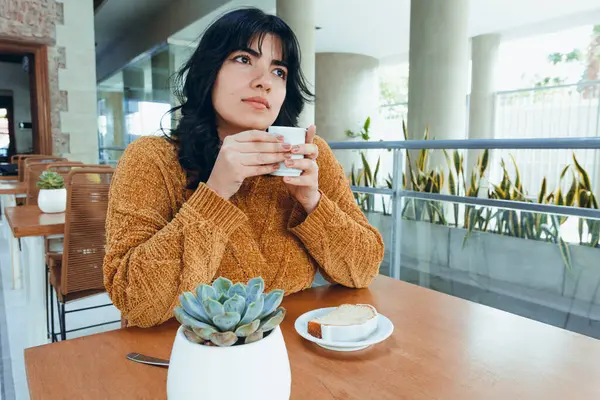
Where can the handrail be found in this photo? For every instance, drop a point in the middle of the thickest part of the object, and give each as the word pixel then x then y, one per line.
pixel 476 201
pixel 476 144
pixel 540 88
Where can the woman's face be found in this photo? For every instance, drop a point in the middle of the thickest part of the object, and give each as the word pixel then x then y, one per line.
pixel 250 88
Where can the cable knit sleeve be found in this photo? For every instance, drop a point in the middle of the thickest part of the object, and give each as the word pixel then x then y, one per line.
pixel 337 234
pixel 151 255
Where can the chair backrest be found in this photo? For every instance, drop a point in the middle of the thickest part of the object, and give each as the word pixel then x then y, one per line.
pixel 24 161
pixel 83 253
pixel 20 159
pixel 63 168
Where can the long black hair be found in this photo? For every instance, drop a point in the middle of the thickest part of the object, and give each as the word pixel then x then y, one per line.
pixel 196 132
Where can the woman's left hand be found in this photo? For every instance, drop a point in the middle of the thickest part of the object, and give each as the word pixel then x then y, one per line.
pixel 305 188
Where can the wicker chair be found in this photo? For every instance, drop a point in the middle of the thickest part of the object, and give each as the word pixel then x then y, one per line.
pixel 33 170
pixel 21 163
pixel 77 272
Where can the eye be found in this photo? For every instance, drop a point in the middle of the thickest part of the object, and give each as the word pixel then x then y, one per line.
pixel 242 58
pixel 280 72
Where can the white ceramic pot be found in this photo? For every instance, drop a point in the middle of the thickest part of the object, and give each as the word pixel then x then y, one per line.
pixel 52 200
pixel 255 371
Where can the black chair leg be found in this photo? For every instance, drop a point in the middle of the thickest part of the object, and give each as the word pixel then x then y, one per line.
pixel 60 321
pixel 52 334
pixel 47 316
pixel 63 333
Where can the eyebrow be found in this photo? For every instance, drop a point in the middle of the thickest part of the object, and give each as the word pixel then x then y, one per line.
pixel 258 55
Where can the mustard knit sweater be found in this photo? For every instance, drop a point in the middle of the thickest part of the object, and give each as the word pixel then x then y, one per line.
pixel 163 239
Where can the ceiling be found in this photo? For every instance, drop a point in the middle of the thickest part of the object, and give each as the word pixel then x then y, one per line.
pixel 115 18
pixel 380 28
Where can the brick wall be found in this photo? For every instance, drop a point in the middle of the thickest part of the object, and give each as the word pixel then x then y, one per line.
pixel 67 26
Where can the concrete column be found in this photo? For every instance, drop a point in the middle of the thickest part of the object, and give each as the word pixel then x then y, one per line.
pixel 347 93
pixel 300 16
pixel 439 67
pixel 484 64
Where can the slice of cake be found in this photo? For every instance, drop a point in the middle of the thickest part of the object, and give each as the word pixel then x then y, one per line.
pixel 347 323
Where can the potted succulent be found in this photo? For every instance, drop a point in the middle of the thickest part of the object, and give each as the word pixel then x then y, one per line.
pixel 53 195
pixel 229 330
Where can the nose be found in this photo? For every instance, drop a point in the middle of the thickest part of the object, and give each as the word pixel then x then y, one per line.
pixel 262 80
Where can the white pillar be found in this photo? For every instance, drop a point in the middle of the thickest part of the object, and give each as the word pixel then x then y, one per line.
pixel 300 16
pixel 439 68
pixel 484 59
pixel 347 93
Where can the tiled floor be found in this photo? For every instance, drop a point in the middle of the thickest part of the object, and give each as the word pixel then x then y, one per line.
pixel 12 328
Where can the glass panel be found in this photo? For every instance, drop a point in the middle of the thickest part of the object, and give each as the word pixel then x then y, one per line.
pixel 134 102
pixel 539 266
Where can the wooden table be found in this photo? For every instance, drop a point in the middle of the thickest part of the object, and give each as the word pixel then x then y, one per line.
pixel 13 188
pixel 442 348
pixel 31 225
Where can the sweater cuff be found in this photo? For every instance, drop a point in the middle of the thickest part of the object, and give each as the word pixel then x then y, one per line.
pixel 311 227
pixel 208 205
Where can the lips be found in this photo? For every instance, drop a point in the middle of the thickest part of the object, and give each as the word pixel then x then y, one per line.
pixel 257 102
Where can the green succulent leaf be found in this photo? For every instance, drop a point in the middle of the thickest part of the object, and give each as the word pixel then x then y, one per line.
pixel 204 292
pixel 223 339
pixel 213 307
pixel 254 291
pixel 248 329
pixel 204 333
pixel 255 337
pixel 50 180
pixel 272 301
pixel 239 288
pixel 253 311
pixel 235 304
pixel 191 306
pixel 227 321
pixel 222 285
pixel 187 320
pixel 272 322
pixel 192 336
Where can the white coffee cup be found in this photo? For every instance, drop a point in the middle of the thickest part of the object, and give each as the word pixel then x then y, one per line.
pixel 293 136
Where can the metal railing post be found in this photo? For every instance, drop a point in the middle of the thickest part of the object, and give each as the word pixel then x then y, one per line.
pixel 395 251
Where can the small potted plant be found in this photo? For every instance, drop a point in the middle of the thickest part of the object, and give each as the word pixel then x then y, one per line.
pixel 229 330
pixel 53 195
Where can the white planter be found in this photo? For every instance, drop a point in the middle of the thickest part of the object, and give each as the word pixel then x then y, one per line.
pixel 52 200
pixel 255 371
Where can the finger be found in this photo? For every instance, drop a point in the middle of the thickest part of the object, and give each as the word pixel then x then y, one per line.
pixel 302 180
pixel 261 170
pixel 310 133
pixel 261 147
pixel 263 158
pixel 309 149
pixel 257 136
pixel 305 164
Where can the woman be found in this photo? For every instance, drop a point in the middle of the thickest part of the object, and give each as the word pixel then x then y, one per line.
pixel 201 204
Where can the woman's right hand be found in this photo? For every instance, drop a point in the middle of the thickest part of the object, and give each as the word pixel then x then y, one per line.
pixel 244 155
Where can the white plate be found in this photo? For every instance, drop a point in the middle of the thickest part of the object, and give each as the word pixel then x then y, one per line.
pixel 384 330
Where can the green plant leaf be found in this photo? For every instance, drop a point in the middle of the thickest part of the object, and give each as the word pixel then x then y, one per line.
pixel 582 174
pixel 226 321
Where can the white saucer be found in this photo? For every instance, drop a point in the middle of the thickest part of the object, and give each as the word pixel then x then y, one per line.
pixel 384 330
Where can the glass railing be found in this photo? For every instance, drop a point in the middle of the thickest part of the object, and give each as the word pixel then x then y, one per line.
pixel 535 256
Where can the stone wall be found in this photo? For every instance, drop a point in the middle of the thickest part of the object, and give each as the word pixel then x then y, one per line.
pixel 74 134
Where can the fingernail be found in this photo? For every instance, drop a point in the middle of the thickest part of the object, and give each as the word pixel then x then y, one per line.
pixel 289 163
pixel 287 155
pixel 280 138
pixel 295 149
pixel 286 146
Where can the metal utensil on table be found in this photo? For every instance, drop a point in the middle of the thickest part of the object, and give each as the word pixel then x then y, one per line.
pixel 141 358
